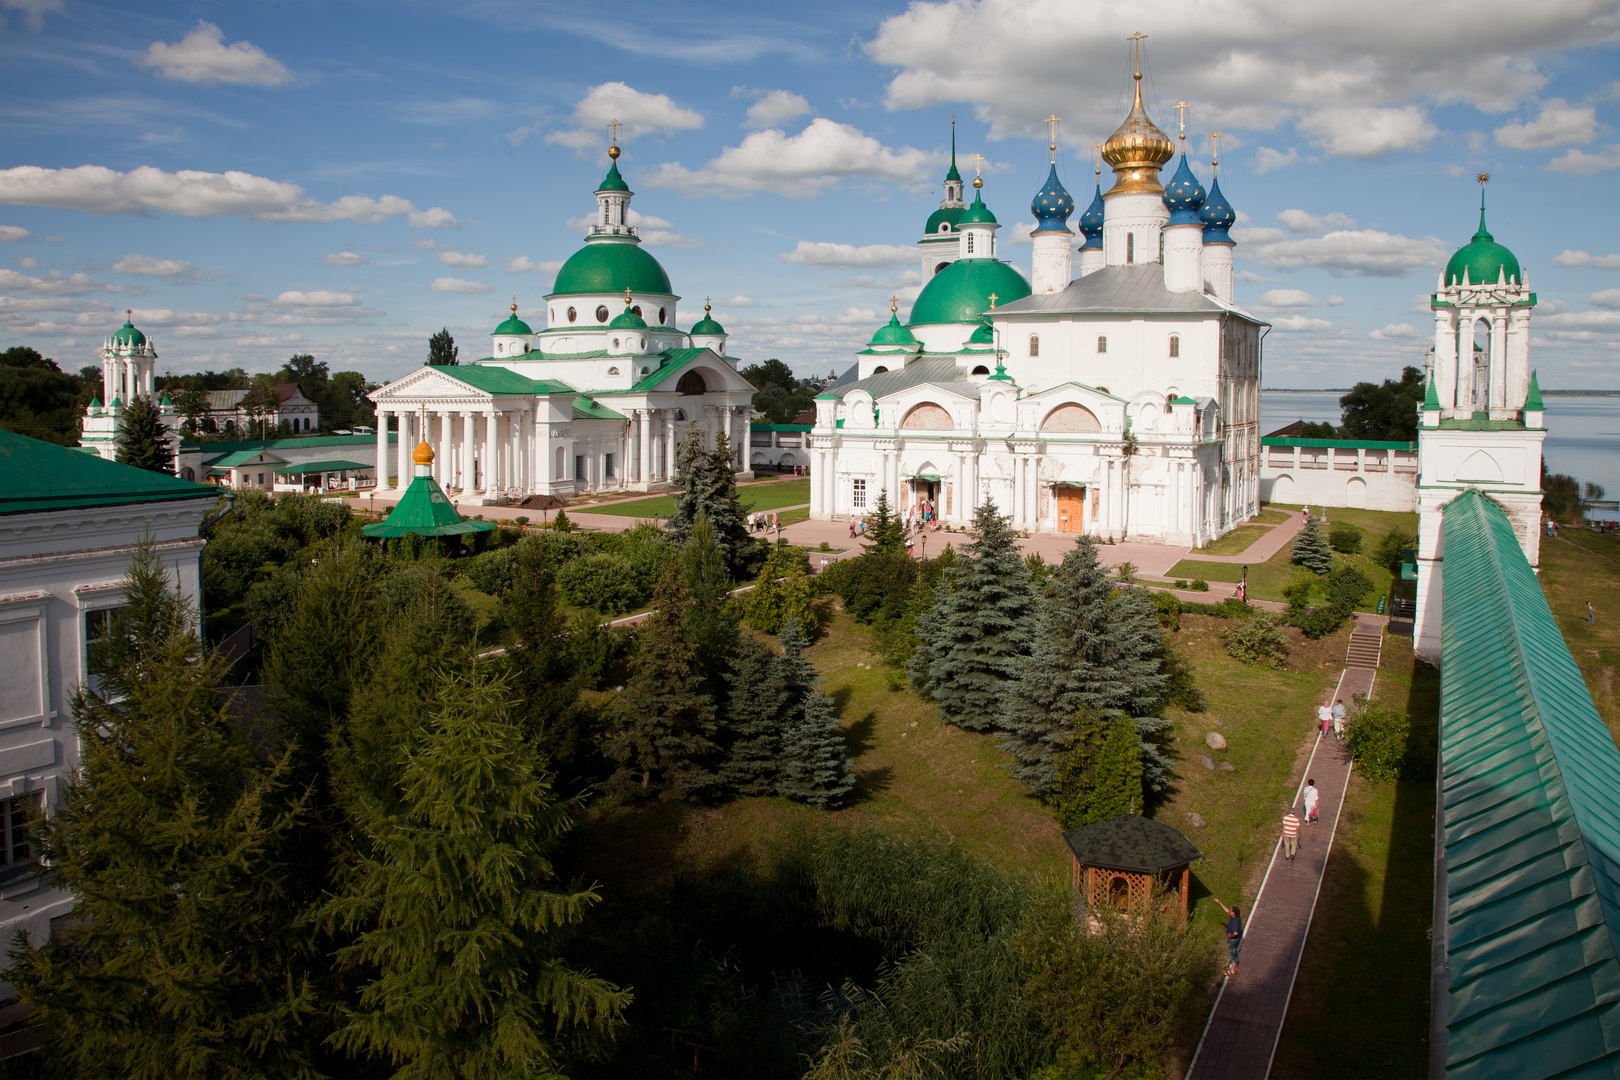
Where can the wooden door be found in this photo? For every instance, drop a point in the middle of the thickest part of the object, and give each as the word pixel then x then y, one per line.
pixel 1071 502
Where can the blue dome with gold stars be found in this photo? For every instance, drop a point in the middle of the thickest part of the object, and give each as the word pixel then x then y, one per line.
pixel 1183 196
pixel 1052 205
pixel 1217 216
pixel 1091 222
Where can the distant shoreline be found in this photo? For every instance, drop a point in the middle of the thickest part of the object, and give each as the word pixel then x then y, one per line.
pixel 1346 390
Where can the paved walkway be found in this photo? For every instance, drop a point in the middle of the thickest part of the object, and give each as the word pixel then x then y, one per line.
pixel 1241 1037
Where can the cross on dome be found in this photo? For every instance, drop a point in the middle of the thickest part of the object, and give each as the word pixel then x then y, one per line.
pixel 613 147
pixel 993 299
pixel 1053 121
pixel 894 304
pixel 978 162
pixel 1215 155
pixel 1181 108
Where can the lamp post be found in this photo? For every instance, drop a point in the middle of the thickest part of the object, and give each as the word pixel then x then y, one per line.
pixel 925 547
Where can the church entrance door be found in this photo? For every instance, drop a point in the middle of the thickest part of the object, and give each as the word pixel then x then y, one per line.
pixel 1071 503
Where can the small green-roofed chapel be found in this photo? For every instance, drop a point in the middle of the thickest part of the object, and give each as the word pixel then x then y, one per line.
pixel 424 510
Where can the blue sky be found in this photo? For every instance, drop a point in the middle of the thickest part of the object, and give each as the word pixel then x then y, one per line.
pixel 343 179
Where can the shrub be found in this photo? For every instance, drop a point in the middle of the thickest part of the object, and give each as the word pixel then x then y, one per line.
pixel 1126 572
pixel 1199 585
pixel 1378 739
pixel 1039 569
pixel 782 593
pixel 1259 640
pixel 1181 583
pixel 1346 588
pixel 492 571
pixel 520 521
pixel 608 583
pixel 1298 591
pixel 1169 610
pixel 1392 549
pixel 1345 538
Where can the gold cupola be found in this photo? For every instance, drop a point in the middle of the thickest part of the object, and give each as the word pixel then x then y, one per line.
pixel 1138 149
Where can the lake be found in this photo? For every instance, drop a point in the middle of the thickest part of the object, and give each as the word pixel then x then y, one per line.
pixel 1583 433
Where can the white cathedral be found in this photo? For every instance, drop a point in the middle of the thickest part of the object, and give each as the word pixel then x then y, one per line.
pixel 1123 401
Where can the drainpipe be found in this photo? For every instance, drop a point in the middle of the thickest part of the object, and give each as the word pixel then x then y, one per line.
pixel 230 504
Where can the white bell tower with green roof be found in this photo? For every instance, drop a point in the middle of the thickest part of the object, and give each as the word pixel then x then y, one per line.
pixel 128 371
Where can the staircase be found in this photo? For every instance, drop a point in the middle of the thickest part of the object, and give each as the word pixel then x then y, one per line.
pixel 1366 646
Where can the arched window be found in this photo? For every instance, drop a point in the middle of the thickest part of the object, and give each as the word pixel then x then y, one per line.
pixel 941 266
pixel 1034 344
pixel 663 316
pixel 643 344
pixel 928 417
pixel 879 370
pixel 573 314
pixel 636 311
pixel 552 314
pixel 970 243
pixel 1119 893
pixel 1130 247
pixel 691 385
pixel 981 370
pixel 645 371
pixel 602 313
pixel 500 347
pixel 1175 344
pixel 613 370
pixel 1102 343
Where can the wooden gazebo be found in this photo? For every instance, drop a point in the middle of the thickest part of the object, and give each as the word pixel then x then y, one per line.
pixel 1117 863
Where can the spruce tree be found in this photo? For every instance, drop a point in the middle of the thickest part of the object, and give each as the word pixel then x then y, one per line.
pixel 755 712
pixel 972 644
pixel 885 533
pixel 1311 549
pixel 1095 647
pixel 456 902
pixel 1101 775
pixel 442 349
pixel 541 665
pixel 143 440
pixel 714 619
pixel 186 953
pixel 667 742
pixel 813 766
pixel 706 482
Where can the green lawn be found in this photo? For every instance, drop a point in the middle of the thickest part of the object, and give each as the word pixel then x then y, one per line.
pixel 762 497
pixel 1238 540
pixel 1361 1001
pixel 1577 567
pixel 1268 516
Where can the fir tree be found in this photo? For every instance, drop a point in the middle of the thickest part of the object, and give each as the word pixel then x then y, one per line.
pixel 1095 647
pixel 706 482
pixel 756 706
pixel 1311 549
pixel 454 906
pixel 541 666
pixel 885 534
pixel 442 349
pixel 1101 776
pixel 971 646
pixel 143 440
pixel 185 954
pixel 667 742
pixel 813 766
pixel 714 619
pixel 782 592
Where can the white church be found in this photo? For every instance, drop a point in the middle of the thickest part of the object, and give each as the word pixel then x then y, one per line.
pixel 1122 400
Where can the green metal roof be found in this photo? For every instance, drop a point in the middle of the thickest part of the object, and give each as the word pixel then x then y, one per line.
pixel 757 426
pixel 610 267
pixel 1533 400
pixel 1342 444
pixel 627 320
pixel 1530 796
pixel 37 476
pixel 334 465
pixel 323 441
pixel 424 511
pixel 613 181
pixel 512 325
pixel 586 409
pixel 1485 260
pixel 952 214
pixel 242 457
pixel 960 293
pixel 500 380
pixel 128 335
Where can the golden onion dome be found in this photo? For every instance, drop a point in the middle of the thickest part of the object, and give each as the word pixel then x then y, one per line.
pixel 423 454
pixel 1137 151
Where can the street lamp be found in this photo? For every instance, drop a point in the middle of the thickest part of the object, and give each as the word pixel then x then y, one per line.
pixel 925 547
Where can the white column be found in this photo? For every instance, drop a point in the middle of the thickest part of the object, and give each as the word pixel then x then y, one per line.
pixel 1498 385
pixel 670 448
pixel 489 455
pixel 382 450
pixel 469 449
pixel 644 444
pixel 402 450
pixel 818 502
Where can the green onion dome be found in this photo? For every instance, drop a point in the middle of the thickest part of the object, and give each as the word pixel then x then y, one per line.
pixel 961 292
pixel 892 333
pixel 513 324
pixel 127 334
pixel 610 267
pixel 627 320
pixel 978 213
pixel 707 326
pixel 945 215
pixel 613 181
pixel 1484 260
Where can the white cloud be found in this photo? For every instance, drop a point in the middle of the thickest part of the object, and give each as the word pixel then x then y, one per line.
pixel 1284 299
pixel 54 283
pixel 33 11
pixel 524 265
pixel 27 261
pixel 1608 298
pixel 638 113
pixel 317 298
pixel 1301 222
pixel 1396 332
pixel 1559 124
pixel 100 190
pixel 463 260
pixel 345 258
pixel 425 245
pixel 800 166
pixel 1605 321
pixel 774 108
pixel 435 217
pixel 740 301
pixel 150 267
pixel 654 231
pixel 1582 259
pixel 1583 164
pixel 457 285
pixel 1254 278
pixel 1344 253
pixel 1366 131
pixel 1021 234
pixel 203 58
pixel 848 256
pixel 12 233
pixel 1293 323
pixel 1266 159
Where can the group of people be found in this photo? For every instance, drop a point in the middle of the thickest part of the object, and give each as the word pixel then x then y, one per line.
pixel 1292 823
pixel 1331 718
pixel 760 521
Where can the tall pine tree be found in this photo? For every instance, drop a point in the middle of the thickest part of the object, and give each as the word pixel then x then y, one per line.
pixel 971 645
pixel 813 764
pixel 756 708
pixel 1095 647
pixel 1101 775
pixel 186 952
pixel 714 619
pixel 667 741
pixel 442 350
pixel 143 439
pixel 454 905
pixel 706 483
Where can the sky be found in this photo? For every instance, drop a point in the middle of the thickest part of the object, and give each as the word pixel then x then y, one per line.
pixel 344 178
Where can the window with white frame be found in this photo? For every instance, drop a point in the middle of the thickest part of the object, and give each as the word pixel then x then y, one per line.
pixel 857 494
pixel 1102 344
pixel 579 466
pixel 1034 345
pixel 1175 344
pixel 24 695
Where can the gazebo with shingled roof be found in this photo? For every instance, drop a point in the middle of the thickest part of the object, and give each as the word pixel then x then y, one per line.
pixel 1117 863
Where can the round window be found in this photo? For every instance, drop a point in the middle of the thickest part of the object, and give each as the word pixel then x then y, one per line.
pixel 944 226
pixel 663 316
pixel 573 314
pixel 602 313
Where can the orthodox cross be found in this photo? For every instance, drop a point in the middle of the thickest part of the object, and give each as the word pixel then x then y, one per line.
pixel 978 160
pixel 614 126
pixel 1137 39
pixel 1215 156
pixel 1096 160
pixel 1181 109
pixel 1053 121
pixel 627 299
pixel 993 299
pixel 894 305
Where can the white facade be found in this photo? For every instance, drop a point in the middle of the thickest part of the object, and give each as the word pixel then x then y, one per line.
pixel 128 371
pixel 1373 476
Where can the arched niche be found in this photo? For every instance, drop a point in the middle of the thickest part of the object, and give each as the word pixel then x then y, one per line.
pixel 691 384
pixel 928 416
pixel 1071 416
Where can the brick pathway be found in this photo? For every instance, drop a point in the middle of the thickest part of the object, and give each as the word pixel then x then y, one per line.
pixel 1241 1035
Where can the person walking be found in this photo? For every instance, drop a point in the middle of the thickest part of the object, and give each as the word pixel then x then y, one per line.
pixel 1290 833
pixel 1313 800
pixel 1234 936
pixel 852 528
pixel 1591 612
pixel 1338 719
pixel 1324 715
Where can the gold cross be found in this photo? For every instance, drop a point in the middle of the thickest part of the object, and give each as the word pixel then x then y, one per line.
pixel 993 299
pixel 894 304
pixel 1483 178
pixel 1215 158
pixel 978 159
pixel 614 125
pixel 1138 38
pixel 627 299
pixel 1181 109
pixel 1053 121
pixel 1096 159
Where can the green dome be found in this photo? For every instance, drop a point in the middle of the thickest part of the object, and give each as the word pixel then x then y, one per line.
pixel 960 293
pixel 978 213
pixel 707 325
pixel 952 214
pixel 608 267
pixel 513 325
pixel 128 335
pixel 894 334
pixel 1484 259
pixel 627 320
pixel 983 335
pixel 613 181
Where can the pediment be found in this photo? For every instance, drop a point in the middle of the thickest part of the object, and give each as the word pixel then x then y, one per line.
pixel 718 374
pixel 1075 391
pixel 932 391
pixel 428 382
